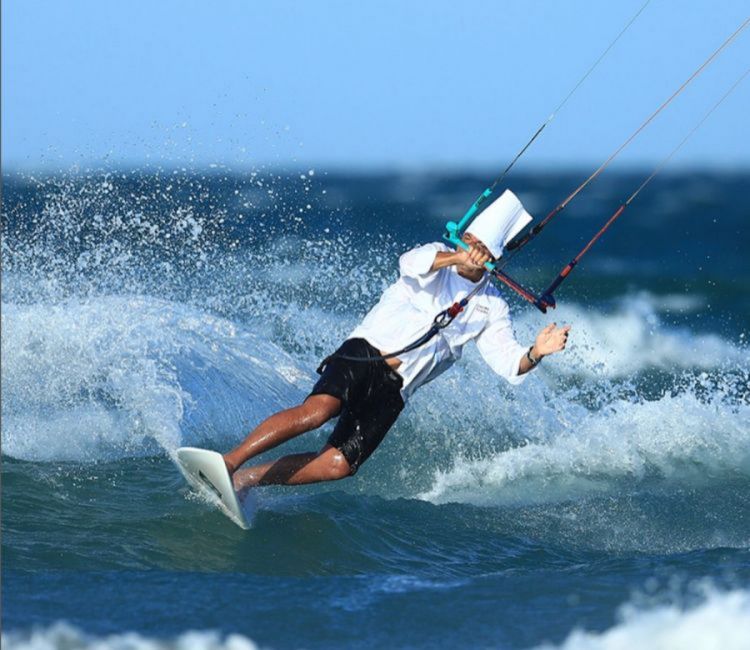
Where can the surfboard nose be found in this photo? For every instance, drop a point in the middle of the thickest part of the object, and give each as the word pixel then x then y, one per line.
pixel 207 473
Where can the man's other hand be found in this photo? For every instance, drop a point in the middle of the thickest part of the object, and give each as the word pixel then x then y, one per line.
pixel 550 340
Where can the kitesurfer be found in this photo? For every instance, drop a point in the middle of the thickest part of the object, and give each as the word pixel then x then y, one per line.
pixel 365 385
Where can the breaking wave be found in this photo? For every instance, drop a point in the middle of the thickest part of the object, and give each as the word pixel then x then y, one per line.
pixel 681 438
pixel 118 376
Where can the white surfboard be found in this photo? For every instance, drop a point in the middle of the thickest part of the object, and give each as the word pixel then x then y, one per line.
pixel 206 472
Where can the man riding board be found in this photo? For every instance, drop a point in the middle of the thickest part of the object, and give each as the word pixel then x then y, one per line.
pixel 365 384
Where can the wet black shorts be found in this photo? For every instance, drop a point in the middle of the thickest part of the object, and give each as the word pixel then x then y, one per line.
pixel 370 399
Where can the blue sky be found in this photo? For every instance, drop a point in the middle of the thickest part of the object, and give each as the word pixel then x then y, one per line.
pixel 363 84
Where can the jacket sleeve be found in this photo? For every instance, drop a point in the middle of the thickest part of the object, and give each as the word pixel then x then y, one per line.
pixel 498 345
pixel 417 262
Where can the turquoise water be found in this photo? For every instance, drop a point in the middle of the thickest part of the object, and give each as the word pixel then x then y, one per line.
pixel 604 499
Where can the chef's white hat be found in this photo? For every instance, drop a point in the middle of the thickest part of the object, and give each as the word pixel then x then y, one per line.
pixel 497 224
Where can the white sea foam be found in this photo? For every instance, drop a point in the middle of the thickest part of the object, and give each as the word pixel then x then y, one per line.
pixel 62 636
pixel 114 376
pixel 677 438
pixel 720 622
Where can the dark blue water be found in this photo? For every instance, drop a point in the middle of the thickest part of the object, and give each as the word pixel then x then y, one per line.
pixel 602 502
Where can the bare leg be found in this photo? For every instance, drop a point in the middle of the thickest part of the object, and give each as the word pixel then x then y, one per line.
pixel 296 469
pixel 315 411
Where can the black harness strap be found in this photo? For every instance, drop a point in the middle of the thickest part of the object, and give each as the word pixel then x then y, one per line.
pixel 441 321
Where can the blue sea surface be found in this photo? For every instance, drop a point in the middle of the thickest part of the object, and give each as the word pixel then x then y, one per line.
pixel 601 504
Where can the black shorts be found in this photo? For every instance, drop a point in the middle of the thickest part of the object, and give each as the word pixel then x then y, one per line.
pixel 370 399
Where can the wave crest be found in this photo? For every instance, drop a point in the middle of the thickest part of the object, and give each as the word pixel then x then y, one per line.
pixel 678 438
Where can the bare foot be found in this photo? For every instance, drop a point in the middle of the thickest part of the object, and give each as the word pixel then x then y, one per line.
pixel 242 480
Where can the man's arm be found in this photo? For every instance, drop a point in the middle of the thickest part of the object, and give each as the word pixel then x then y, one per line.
pixel 550 340
pixel 505 355
pixel 443 259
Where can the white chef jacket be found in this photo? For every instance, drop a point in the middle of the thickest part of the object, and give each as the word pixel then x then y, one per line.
pixel 406 311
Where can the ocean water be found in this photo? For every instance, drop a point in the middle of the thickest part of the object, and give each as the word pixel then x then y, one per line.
pixel 602 504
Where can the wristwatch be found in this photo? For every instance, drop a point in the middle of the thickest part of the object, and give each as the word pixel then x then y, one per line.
pixel 532 359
